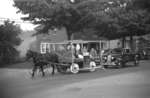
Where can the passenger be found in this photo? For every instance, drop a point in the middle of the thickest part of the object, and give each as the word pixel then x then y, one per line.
pixel 93 53
pixel 85 52
pixel 102 52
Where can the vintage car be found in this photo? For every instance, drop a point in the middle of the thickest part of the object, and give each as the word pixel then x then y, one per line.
pixel 144 53
pixel 118 57
pixel 147 53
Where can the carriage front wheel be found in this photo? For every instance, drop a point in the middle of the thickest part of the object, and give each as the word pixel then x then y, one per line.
pixel 74 68
pixel 92 66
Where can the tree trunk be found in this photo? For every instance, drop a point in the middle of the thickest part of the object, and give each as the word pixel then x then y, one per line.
pixel 123 42
pixel 69 36
pixel 69 33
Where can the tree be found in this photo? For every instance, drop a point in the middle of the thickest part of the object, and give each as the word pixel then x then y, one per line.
pixel 50 14
pixel 74 15
pixel 134 22
pixel 144 4
pixel 110 18
pixel 120 19
pixel 9 39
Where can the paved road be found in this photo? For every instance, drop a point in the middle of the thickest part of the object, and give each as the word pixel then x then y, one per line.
pixel 130 82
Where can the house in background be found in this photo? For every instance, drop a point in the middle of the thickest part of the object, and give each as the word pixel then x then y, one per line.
pixel 143 42
pixel 42 42
pixel 139 42
pixel 118 43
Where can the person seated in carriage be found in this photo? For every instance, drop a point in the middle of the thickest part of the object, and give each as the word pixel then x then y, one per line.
pixel 93 53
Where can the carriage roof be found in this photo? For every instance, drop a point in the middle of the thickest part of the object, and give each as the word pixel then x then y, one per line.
pixel 77 42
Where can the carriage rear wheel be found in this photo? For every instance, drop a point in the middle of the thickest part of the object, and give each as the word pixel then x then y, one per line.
pixel 92 66
pixel 74 68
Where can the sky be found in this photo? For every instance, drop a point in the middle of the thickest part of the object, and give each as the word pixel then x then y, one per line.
pixel 8 11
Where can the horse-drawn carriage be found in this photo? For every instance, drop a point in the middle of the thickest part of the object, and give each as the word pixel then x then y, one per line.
pixel 77 56
pixel 73 56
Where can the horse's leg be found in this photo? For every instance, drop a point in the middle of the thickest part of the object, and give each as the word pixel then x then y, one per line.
pixel 33 70
pixel 53 69
pixel 42 69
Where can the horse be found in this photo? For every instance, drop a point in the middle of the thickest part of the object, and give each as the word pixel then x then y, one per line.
pixel 38 61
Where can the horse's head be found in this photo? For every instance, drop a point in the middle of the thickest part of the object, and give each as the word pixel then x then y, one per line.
pixel 30 54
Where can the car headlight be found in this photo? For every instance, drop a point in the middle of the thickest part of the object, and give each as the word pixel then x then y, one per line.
pixel 112 58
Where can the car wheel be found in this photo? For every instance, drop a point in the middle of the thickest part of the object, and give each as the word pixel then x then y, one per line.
pixel 119 64
pixel 74 68
pixel 92 66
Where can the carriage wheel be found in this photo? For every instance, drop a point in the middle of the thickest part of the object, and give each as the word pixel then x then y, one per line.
pixel 92 66
pixel 74 68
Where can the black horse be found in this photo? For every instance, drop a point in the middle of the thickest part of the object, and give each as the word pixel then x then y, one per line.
pixel 42 60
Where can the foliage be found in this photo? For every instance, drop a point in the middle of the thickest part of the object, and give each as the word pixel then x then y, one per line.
pixel 55 13
pixel 144 4
pixel 50 14
pixel 121 19
pixel 109 18
pixel 9 39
